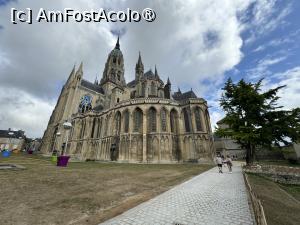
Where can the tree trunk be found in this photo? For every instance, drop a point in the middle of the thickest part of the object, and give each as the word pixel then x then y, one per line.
pixel 249 154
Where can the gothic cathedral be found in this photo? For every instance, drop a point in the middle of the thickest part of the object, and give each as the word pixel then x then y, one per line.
pixel 140 121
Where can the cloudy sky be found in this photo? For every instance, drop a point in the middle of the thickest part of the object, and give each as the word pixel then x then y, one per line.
pixel 197 43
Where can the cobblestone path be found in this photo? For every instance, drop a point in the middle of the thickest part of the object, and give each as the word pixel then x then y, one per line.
pixel 209 198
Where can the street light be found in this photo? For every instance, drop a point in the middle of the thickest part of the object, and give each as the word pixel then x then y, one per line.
pixel 67 126
pixel 56 135
pixel 10 134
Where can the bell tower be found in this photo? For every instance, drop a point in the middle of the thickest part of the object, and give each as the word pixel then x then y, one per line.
pixel 113 74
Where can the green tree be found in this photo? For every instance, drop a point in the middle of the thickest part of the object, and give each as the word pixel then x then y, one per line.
pixel 253 117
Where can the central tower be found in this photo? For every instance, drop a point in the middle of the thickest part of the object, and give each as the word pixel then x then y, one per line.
pixel 113 74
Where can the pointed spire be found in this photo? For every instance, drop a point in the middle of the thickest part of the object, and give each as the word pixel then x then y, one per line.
pixel 168 81
pixel 80 69
pixel 179 90
pixel 118 43
pixel 155 73
pixel 140 58
pixel 71 74
pixel 96 80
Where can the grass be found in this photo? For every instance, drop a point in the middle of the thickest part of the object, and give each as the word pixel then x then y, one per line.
pixel 281 202
pixel 82 193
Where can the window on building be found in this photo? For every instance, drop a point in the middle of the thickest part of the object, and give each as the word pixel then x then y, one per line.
pixel 153 88
pixel 119 76
pixel 118 100
pixel 163 115
pixel 114 60
pixel 118 123
pixel 173 116
pixel 152 120
pixel 126 121
pixel 138 120
pixel 93 128
pixel 187 120
pixel 198 119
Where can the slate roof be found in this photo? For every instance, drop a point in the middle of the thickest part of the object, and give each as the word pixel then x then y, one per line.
pixel 149 75
pixel 131 83
pixel 183 96
pixel 17 134
pixel 92 86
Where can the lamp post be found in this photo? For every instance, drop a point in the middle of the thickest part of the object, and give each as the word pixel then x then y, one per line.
pixel 62 160
pixel 67 126
pixel 55 140
pixel 10 134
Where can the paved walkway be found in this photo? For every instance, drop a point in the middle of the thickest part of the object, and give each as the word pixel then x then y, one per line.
pixel 209 198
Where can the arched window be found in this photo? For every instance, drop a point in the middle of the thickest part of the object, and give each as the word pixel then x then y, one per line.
pixel 206 116
pixel 138 120
pixel 119 76
pixel 143 89
pixel 187 123
pixel 198 121
pixel 152 120
pixel 114 60
pixel 153 88
pixel 117 123
pixel 126 121
pixel 163 117
pixel 173 118
pixel 93 128
pixel 99 127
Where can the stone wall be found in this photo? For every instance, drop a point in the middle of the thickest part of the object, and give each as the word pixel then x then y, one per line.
pixel 280 174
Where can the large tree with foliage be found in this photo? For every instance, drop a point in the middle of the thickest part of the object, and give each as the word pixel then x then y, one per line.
pixel 254 118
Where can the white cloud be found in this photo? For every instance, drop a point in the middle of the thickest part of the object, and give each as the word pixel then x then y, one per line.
pixel 290 95
pixel 262 68
pixel 190 41
pixel 266 18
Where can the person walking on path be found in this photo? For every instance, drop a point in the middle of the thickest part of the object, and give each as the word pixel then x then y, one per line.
pixel 229 163
pixel 219 162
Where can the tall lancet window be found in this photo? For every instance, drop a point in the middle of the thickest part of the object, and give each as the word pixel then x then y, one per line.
pixel 126 121
pixel 138 120
pixel 163 115
pixel 152 120
pixel 117 123
pixel 198 119
pixel 152 88
pixel 186 120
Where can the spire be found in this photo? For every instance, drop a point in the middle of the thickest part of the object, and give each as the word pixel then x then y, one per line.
pixel 80 69
pixel 118 43
pixel 155 73
pixel 168 81
pixel 179 90
pixel 96 80
pixel 71 74
pixel 140 59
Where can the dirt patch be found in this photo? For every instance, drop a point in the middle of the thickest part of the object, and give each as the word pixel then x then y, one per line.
pixel 82 193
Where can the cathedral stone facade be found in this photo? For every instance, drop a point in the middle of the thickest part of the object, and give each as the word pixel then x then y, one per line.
pixel 139 121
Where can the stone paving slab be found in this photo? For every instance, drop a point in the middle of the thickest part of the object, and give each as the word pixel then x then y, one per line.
pixel 209 198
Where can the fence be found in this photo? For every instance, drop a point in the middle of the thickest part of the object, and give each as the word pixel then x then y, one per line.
pixel 257 206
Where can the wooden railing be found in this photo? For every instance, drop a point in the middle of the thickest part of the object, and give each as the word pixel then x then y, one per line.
pixel 256 204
